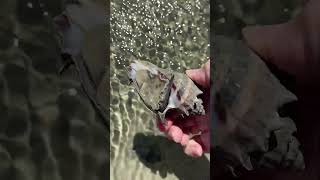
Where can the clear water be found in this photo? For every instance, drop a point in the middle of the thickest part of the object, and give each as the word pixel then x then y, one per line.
pixel 171 34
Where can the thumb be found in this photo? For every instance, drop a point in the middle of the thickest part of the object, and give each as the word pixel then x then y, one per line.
pixel 280 45
pixel 197 75
pixel 201 76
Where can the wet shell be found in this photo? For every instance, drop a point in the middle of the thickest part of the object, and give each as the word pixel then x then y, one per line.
pixel 162 89
pixel 248 131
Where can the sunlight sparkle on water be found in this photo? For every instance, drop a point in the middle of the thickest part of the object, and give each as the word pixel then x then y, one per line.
pixel 163 32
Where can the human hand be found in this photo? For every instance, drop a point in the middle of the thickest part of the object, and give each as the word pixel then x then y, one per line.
pixel 179 129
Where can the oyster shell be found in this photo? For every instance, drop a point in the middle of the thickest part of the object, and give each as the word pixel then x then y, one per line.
pixel 248 131
pixel 162 90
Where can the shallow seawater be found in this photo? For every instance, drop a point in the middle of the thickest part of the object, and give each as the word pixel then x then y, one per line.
pixel 171 34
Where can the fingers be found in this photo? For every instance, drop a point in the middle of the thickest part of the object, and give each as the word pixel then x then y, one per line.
pixel 184 140
pixel 198 76
pixel 191 147
pixel 164 127
pixel 201 76
pixel 175 133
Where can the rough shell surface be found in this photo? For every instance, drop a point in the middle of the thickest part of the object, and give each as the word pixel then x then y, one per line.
pixel 247 131
pixel 162 89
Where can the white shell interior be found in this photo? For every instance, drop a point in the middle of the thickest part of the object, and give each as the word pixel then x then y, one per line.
pixel 173 100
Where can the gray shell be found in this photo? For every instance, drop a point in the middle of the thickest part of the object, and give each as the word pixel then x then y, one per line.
pixel 247 128
pixel 177 91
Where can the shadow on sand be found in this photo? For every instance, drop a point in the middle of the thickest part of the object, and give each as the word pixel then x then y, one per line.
pixel 160 154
